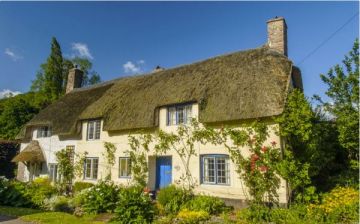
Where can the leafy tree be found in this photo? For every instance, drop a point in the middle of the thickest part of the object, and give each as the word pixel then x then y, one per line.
pixel 14 113
pixel 343 90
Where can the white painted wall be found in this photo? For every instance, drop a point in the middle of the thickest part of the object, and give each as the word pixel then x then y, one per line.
pixel 49 145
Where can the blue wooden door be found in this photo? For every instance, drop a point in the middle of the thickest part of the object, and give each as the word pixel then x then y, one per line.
pixel 163 171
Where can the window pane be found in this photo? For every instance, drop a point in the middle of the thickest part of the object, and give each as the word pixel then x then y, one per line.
pixel 88 168
pixel 124 167
pixel 188 114
pixel 221 170
pixel 171 116
pixel 180 115
pixel 98 129
pixel 95 168
pixel 91 130
pixel 209 170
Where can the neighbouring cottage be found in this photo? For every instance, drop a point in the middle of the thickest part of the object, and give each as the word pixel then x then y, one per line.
pixel 230 89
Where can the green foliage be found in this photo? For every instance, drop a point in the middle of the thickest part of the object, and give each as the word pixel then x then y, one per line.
pixel 58 204
pixel 39 190
pixel 172 198
pixel 139 146
pixel 65 167
pixel 209 204
pixel 14 113
pixel 343 90
pixel 14 193
pixel 109 154
pixel 18 194
pixel 79 186
pixel 102 197
pixel 192 217
pixel 134 206
pixel 259 170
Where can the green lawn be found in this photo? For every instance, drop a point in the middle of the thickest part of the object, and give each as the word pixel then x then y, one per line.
pixel 43 217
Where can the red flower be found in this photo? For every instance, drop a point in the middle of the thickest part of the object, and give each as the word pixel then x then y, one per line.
pixel 273 143
pixel 263 168
pixel 264 149
pixel 254 157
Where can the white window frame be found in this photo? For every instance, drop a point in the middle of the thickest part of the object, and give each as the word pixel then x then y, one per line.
pixel 93 130
pixel 94 164
pixel 127 162
pixel 216 178
pixel 43 132
pixel 179 114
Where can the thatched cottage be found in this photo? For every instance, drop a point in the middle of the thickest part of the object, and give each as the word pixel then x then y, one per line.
pixel 230 89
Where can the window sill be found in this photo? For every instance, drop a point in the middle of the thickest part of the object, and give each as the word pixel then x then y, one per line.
pixel 214 184
pixel 128 178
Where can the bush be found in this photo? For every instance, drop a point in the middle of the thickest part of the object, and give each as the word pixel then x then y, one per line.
pixel 211 205
pixel 192 217
pixel 39 190
pixel 102 197
pixel 171 198
pixel 339 205
pixel 14 193
pixel 79 186
pixel 134 206
pixel 58 204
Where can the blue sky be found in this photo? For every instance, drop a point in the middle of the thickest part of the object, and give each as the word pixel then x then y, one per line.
pixel 123 38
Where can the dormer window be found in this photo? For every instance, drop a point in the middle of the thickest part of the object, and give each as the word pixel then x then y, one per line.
pixel 93 130
pixel 179 114
pixel 43 132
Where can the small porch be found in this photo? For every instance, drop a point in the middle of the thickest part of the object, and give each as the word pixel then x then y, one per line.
pixel 33 159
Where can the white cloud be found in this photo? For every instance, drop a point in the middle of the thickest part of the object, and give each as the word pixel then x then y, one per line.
pixel 6 93
pixel 14 56
pixel 134 67
pixel 81 50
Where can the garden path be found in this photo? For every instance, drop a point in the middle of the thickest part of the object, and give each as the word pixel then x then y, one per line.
pixel 11 220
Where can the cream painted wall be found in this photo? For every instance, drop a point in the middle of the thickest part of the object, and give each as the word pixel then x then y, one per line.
pixel 235 190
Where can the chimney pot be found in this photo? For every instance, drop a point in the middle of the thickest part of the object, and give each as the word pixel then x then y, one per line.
pixel 277 35
pixel 75 79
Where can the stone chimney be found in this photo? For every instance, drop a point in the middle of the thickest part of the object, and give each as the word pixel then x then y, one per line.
pixel 277 35
pixel 75 78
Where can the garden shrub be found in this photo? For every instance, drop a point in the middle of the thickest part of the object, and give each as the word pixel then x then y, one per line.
pixel 58 204
pixel 192 217
pixel 134 206
pixel 14 193
pixel 171 198
pixel 79 186
pixel 339 205
pixel 39 190
pixel 101 197
pixel 209 204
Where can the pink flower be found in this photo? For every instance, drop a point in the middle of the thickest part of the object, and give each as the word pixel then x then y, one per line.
pixel 264 149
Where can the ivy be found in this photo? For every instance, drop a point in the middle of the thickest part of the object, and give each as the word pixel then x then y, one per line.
pixel 109 155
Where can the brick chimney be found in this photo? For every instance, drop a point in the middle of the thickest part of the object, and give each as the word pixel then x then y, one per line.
pixel 277 35
pixel 75 78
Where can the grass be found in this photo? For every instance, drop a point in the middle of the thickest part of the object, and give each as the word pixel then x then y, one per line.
pixel 43 217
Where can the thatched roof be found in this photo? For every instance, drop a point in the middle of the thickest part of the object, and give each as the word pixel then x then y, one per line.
pixel 63 115
pixel 31 153
pixel 241 85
